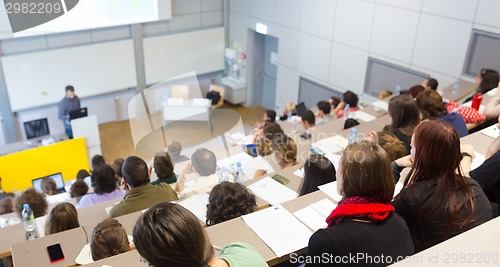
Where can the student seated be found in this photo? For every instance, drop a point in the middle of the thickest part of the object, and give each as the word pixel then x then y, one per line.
pixel 318 170
pixel 488 174
pixel 108 239
pixel 323 115
pixel 78 189
pixel 174 150
pixel 229 200
pixel 285 153
pixel 96 161
pixel 104 183
pixel 405 116
pixel 492 107
pixel 308 120
pixel 432 107
pixel 264 147
pixel 430 84
pixel 6 205
pixel 347 98
pixel 49 187
pixel 415 90
pixel 270 131
pixel 62 217
pixel 364 221
pixel 140 194
pixel 437 201
pixel 334 102
pixel 269 116
pixel 37 202
pixel 486 80
pixel 117 167
pixel 204 165
pixel 82 174
pixel 384 94
pixel 290 107
pixel 170 235
pixel 394 148
pixel 164 169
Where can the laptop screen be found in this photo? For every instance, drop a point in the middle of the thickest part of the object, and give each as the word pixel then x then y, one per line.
pixel 300 108
pixel 37 183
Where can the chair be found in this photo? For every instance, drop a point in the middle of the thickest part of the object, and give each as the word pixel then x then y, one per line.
pixel 180 91
pixel 219 89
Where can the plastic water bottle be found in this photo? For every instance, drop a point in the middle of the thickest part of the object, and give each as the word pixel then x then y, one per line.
pixel 294 126
pixel 360 101
pixel 353 137
pixel 346 111
pixel 29 222
pixel 239 176
pixel 289 117
pixel 456 84
pixel 397 91
pixel 224 175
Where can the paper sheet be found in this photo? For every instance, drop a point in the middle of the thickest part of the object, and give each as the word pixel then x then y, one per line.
pixel 253 164
pixel 491 131
pixel 477 161
pixel 398 188
pixel 492 92
pixel 40 225
pixel 381 104
pixel 331 190
pixel 324 207
pixel 233 159
pixel 331 144
pixel 271 191
pixel 197 204
pixel 200 102
pixel 334 158
pixel 175 101
pixel 237 136
pixel 364 116
pixel 279 229
pixel 311 218
pixel 299 172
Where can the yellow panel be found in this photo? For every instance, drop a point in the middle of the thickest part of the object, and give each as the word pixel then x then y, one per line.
pixel 19 169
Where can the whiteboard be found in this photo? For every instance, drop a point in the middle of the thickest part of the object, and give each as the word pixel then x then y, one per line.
pixel 167 56
pixel 39 78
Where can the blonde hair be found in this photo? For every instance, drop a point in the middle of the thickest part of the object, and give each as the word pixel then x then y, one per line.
pixel 385 94
pixel 286 148
pixel 264 147
pixel 392 145
pixel 291 107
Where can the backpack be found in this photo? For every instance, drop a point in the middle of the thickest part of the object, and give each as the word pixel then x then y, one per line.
pixel 214 96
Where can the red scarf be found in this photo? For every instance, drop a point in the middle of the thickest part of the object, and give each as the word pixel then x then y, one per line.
pixel 362 208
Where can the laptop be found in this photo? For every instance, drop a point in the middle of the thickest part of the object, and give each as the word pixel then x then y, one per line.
pixel 37 183
pixel 300 108
pixel 78 113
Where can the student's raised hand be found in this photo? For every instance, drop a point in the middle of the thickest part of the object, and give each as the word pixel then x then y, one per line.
pixel 404 161
pixel 466 148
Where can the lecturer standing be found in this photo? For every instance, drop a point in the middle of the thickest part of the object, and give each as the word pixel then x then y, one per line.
pixel 69 103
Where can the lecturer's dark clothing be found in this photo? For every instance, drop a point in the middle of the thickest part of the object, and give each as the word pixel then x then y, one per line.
pixel 65 106
pixel 389 237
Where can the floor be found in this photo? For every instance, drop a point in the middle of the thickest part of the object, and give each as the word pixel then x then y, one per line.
pixel 117 140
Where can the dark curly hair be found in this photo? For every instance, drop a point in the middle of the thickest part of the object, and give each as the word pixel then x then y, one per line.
pixel 103 179
pixel 37 202
pixel 227 201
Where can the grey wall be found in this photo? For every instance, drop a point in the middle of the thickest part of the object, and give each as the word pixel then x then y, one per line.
pixel 329 41
pixel 187 15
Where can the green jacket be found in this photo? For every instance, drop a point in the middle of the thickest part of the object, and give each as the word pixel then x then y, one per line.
pixel 170 180
pixel 143 197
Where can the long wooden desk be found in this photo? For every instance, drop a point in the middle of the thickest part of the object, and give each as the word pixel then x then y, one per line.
pixel 478 246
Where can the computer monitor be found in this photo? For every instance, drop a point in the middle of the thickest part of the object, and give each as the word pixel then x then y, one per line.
pixel 37 183
pixel 300 108
pixel 36 128
pixel 78 113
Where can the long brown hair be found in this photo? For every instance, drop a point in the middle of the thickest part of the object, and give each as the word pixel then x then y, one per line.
pixel 437 157
pixel 366 171
pixel 404 113
pixel 108 239
pixel 431 104
pixel 170 235
pixel 62 217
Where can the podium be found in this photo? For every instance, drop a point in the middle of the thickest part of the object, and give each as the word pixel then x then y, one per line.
pixel 88 128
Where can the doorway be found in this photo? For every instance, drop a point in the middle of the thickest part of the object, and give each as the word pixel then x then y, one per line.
pixel 264 69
